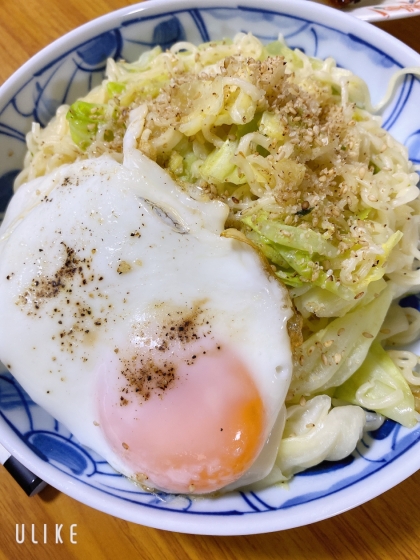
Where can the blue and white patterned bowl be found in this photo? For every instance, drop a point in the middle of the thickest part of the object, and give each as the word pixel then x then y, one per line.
pixel 68 69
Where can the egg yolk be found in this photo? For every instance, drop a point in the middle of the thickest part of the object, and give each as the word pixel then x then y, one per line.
pixel 196 431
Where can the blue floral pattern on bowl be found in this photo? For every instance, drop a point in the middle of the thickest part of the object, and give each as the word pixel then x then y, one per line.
pixel 72 72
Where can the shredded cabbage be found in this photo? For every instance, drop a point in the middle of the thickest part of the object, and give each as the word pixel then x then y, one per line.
pixel 379 385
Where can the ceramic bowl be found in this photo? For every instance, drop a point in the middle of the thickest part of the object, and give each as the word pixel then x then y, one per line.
pixel 69 68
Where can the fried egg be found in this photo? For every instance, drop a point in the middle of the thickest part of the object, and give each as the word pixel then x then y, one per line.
pixel 161 345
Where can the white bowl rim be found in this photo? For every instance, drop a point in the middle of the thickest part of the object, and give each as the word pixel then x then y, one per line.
pixel 107 21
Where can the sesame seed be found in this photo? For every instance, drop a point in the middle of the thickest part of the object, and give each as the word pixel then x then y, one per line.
pixel 367 335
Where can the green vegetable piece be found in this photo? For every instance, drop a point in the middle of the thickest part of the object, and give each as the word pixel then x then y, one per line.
pixel 262 151
pixel 374 167
pixel 290 278
pixel 272 126
pixel 114 88
pixel 251 126
pixel 289 236
pixel 324 303
pixel 380 386
pixel 267 249
pixel 299 260
pixel 275 48
pixel 378 271
pixel 176 163
pixel 364 214
pixel 188 174
pixel 287 275
pixel 332 355
pixel 218 165
pixel 83 118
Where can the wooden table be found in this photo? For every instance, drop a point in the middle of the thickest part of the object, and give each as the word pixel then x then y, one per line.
pixel 385 528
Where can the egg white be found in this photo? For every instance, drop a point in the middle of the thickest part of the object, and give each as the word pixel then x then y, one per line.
pixel 96 249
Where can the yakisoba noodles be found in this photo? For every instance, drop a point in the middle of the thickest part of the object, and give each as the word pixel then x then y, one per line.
pixel 326 196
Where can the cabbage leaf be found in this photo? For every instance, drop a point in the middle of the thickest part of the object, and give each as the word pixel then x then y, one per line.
pixel 330 356
pixel 380 386
pixel 314 433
